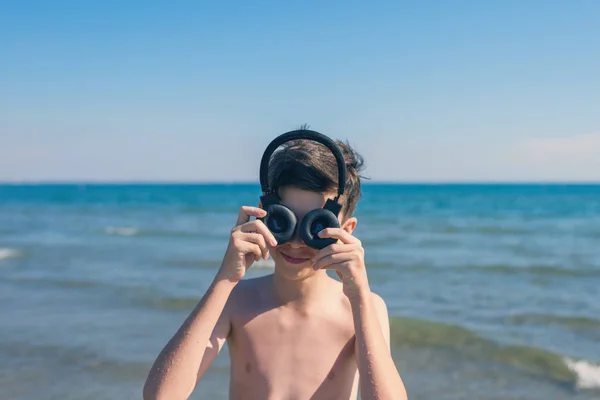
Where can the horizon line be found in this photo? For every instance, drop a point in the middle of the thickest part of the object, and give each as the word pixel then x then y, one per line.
pixel 256 182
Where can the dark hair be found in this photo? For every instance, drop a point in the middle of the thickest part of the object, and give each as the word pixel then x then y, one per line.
pixel 309 165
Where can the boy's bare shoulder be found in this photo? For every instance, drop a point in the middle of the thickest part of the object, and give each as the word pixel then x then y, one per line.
pixel 248 294
pixel 380 303
pixel 382 309
pixel 252 284
pixel 377 299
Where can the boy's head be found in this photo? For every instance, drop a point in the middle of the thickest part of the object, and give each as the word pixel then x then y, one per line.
pixel 305 175
pixel 309 165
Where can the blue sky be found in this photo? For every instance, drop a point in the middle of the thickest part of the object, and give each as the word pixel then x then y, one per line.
pixel 194 91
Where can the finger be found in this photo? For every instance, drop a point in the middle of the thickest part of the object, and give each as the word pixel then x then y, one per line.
pixel 260 227
pixel 249 248
pixel 342 268
pixel 338 233
pixel 257 239
pixel 248 211
pixel 332 259
pixel 332 249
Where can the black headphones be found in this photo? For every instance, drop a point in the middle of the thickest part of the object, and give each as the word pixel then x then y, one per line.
pixel 280 220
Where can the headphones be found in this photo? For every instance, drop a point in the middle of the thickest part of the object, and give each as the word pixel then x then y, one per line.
pixel 282 221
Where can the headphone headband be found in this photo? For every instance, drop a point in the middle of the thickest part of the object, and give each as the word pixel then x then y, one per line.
pixel 302 134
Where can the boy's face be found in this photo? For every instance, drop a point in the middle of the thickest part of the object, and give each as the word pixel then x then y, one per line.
pixel 292 258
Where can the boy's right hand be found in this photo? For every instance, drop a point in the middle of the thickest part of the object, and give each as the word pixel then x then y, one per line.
pixel 248 242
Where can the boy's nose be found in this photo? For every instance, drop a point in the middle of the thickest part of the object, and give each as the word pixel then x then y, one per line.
pixel 296 241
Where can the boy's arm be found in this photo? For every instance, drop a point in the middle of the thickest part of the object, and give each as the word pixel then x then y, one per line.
pixel 379 378
pixel 189 353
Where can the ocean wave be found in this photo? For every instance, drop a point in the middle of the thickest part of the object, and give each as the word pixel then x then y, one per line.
pixel 49 356
pixel 63 283
pixel 576 322
pixel 189 263
pixel 383 240
pixel 502 269
pixel 175 303
pixel 135 231
pixel 121 231
pixel 588 374
pixel 7 253
pixel 485 229
pixel 214 264
pixel 593 234
pixel 536 270
pixel 415 333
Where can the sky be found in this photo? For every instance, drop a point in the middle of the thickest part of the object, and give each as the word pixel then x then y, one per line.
pixel 428 91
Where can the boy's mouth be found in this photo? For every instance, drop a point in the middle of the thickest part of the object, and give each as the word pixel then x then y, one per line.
pixel 294 260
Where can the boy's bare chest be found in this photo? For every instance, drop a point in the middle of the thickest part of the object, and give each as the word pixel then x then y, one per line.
pixel 293 354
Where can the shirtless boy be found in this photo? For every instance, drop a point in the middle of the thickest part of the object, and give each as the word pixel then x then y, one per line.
pixel 296 333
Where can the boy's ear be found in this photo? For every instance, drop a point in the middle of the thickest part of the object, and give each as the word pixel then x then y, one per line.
pixel 350 225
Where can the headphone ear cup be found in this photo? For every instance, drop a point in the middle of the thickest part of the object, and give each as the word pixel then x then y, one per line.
pixel 281 221
pixel 314 222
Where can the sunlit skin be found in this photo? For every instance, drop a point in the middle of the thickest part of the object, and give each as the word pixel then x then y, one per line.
pixel 293 334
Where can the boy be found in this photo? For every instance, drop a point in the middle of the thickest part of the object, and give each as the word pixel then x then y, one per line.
pixel 297 333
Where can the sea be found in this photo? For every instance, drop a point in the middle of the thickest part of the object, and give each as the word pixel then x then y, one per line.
pixel 493 290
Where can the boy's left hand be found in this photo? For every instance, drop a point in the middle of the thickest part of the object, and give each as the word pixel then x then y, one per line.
pixel 347 258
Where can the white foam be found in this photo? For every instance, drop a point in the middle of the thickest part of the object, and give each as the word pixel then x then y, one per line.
pixel 6 253
pixel 121 231
pixel 588 373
